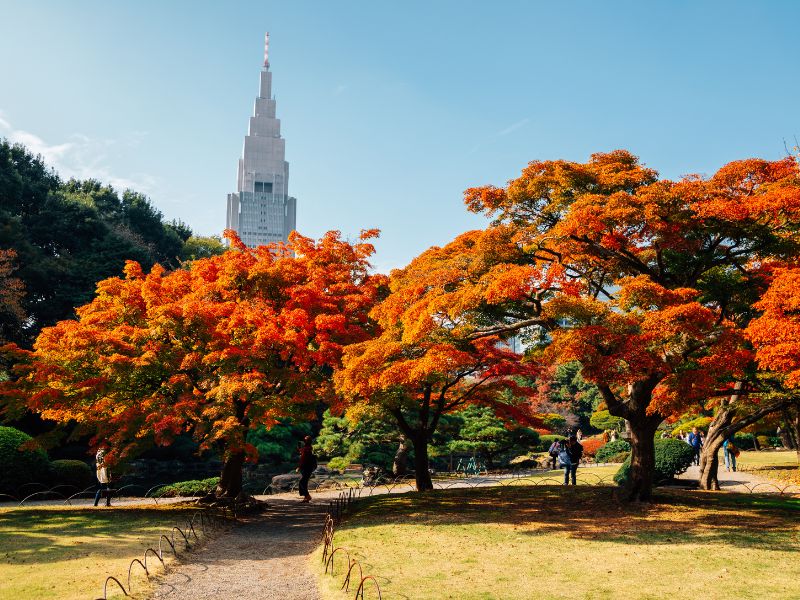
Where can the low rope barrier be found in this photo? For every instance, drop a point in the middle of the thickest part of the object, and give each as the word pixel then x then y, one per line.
pixel 337 509
pixel 205 520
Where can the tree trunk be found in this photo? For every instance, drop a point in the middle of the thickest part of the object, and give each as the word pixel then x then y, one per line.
pixel 230 480
pixel 423 476
pixel 709 456
pixel 642 430
pixel 643 457
pixel 400 464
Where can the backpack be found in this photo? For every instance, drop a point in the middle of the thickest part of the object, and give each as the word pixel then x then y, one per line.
pixel 564 459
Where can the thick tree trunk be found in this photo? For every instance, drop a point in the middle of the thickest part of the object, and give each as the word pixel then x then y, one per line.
pixel 643 457
pixel 709 456
pixel 422 475
pixel 400 464
pixel 230 480
pixel 642 429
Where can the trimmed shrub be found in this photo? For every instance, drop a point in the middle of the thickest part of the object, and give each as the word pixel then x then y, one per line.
pixel 545 441
pixel 73 472
pixel 194 487
pixel 591 446
pixel 743 441
pixel 612 449
pixel 701 423
pixel 602 419
pixel 618 458
pixel 763 441
pixel 18 467
pixel 673 457
pixel 339 463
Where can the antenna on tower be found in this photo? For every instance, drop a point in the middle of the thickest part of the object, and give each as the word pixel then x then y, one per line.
pixel 266 50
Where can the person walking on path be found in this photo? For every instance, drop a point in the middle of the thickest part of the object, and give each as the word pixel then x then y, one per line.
pixel 573 451
pixel 102 477
pixel 696 442
pixel 729 452
pixel 555 448
pixel 307 466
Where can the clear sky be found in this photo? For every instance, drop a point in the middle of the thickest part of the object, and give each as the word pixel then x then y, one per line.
pixel 391 109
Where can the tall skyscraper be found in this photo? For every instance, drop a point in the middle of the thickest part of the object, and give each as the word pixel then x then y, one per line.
pixel 261 211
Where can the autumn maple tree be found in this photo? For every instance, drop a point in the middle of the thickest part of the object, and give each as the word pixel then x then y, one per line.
pixel 645 270
pixel 432 355
pixel 775 333
pixel 230 343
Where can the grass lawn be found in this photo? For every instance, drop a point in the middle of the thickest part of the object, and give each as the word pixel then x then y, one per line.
pixel 556 542
pixel 67 553
pixel 778 465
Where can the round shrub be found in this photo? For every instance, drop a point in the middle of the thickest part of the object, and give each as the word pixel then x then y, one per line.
pixel 763 441
pixel 18 467
pixel 73 472
pixel 545 441
pixel 618 458
pixel 612 449
pixel 194 487
pixel 673 457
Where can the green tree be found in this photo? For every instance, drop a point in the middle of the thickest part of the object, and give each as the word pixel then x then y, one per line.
pixel 484 434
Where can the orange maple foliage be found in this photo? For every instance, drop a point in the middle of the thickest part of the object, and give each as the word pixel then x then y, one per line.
pixel 776 332
pixel 231 343
pixel 652 280
pixel 426 360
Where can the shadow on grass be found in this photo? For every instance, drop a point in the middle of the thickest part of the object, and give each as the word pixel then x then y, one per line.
pixel 597 514
pixel 47 535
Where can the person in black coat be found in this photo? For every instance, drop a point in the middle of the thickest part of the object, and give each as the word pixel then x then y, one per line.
pixel 574 452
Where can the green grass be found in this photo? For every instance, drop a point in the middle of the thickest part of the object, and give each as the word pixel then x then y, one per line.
pixel 752 459
pixel 555 542
pixel 68 553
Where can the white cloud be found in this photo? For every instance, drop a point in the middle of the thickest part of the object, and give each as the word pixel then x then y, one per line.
pixel 82 157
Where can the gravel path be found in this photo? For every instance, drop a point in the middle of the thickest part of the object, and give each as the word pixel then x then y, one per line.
pixel 744 482
pixel 265 556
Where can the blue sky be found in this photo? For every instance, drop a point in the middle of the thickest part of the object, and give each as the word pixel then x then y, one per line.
pixel 391 110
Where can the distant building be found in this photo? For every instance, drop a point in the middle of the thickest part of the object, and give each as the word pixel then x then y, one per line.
pixel 261 211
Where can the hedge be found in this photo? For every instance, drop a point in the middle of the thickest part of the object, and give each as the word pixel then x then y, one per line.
pixel 73 472
pixel 612 449
pixel 18 467
pixel 673 457
pixel 194 487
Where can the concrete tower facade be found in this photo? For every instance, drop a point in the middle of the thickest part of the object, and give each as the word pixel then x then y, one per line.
pixel 261 210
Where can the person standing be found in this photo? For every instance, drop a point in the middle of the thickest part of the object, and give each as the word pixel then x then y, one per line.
pixel 696 442
pixel 729 452
pixel 102 477
pixel 307 466
pixel 574 451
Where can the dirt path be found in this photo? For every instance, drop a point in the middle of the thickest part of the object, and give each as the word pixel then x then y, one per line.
pixel 744 482
pixel 265 556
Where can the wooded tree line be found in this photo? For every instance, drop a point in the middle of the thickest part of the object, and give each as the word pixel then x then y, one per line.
pixel 58 239
pixel 672 296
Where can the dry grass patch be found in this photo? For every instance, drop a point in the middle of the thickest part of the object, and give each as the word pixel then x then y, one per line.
pixel 554 542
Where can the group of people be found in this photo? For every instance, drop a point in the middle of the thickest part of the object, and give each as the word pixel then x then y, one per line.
pixel 567 454
pixel 696 439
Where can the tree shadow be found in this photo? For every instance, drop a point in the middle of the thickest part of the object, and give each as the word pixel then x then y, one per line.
pixel 597 513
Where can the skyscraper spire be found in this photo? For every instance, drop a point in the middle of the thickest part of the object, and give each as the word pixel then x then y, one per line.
pixel 261 210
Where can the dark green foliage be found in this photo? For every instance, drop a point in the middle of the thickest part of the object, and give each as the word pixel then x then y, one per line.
pixel 72 472
pixel 278 446
pixel 611 449
pixel 371 441
pixel 194 487
pixel 68 236
pixel 18 467
pixel 673 457
pixel 482 433
pixel 571 390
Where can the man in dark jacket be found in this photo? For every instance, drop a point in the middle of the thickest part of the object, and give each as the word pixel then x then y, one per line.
pixel 574 451
pixel 307 466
